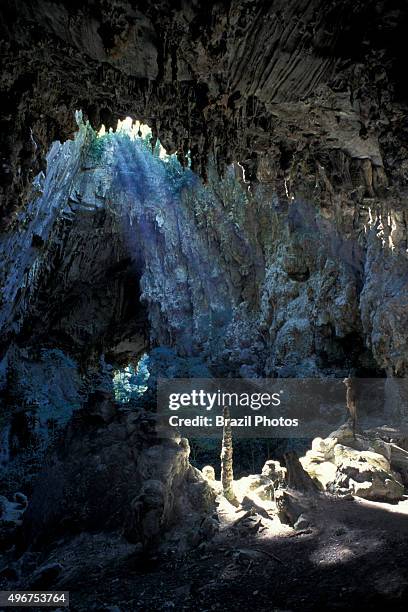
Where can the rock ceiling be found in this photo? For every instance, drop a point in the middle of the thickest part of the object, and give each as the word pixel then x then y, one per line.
pixel 254 81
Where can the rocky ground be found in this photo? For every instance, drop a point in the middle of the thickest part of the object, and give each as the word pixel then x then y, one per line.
pixel 353 556
pixel 286 543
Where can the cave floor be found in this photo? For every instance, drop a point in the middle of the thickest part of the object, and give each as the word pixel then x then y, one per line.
pixel 354 557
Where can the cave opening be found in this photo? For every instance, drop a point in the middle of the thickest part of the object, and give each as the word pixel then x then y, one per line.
pixel 150 200
pixel 101 227
pixel 130 382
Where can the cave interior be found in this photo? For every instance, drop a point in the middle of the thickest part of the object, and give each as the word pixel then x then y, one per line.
pixel 203 191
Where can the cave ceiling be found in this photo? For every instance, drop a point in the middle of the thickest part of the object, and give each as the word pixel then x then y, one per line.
pixel 241 80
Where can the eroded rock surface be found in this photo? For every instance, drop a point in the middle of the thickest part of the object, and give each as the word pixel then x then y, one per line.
pixel 361 465
pixel 118 254
pixel 298 268
pixel 115 474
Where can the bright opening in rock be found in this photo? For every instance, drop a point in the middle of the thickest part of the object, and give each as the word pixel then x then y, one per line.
pixel 130 382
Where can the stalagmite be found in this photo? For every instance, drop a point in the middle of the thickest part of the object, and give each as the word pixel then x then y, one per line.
pixel 351 403
pixel 227 473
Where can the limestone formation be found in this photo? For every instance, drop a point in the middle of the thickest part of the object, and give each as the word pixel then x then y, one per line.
pixel 361 465
pixel 117 475
pixel 208 472
pixel 227 470
pixel 11 517
pixel 143 288
pixel 297 478
pixel 275 472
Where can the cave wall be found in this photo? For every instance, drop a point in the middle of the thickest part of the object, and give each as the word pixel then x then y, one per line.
pixel 70 294
pixel 66 267
pixel 311 101
pixel 115 255
pixel 113 473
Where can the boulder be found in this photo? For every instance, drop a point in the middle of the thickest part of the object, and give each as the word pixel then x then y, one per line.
pixel 21 499
pixel 320 470
pixel 266 492
pixel 252 482
pixel 363 476
pixel 209 527
pixel 362 465
pixel 324 448
pixel 297 477
pixel 11 515
pixel 301 523
pixel 11 512
pixel 290 505
pixel 399 461
pixel 258 484
pixel 379 488
pixel 368 442
pixel 345 454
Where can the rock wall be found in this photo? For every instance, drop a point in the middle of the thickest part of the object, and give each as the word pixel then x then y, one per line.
pixel 292 264
pixel 309 99
pixel 123 251
pixel 112 473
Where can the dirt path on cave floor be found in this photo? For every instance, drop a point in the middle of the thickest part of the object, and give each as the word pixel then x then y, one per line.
pixel 354 557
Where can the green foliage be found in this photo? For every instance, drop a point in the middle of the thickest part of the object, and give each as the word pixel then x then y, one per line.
pixel 130 382
pixel 98 146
